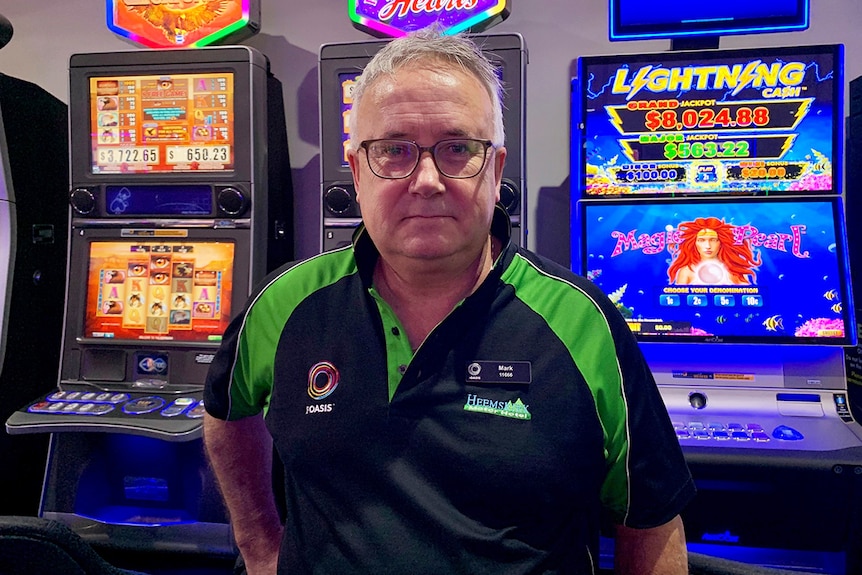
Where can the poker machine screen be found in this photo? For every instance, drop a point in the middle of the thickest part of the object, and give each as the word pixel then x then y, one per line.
pixel 759 121
pixel 734 270
pixel 140 290
pixel 156 123
pixel 166 116
pixel 346 81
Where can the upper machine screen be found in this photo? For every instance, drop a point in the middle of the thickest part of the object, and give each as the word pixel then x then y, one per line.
pixel 748 121
pixel 162 123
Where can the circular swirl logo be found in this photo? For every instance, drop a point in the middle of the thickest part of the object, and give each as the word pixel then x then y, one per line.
pixel 322 380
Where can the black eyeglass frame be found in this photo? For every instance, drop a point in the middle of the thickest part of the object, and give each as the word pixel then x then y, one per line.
pixel 486 145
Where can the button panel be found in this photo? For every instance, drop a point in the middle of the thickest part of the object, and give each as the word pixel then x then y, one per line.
pixel 725 432
pixel 96 403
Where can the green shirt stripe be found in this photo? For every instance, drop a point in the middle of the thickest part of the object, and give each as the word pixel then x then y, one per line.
pixel 265 318
pixel 581 325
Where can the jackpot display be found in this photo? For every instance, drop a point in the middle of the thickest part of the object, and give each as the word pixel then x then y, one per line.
pixel 747 121
pixel 748 270
pixel 162 123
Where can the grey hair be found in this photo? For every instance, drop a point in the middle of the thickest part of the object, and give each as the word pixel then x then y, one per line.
pixel 429 45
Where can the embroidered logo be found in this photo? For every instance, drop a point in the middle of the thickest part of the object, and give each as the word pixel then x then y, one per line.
pixel 322 380
pixel 514 409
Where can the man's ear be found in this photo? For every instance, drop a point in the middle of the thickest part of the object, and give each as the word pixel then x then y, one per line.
pixel 353 162
pixel 499 162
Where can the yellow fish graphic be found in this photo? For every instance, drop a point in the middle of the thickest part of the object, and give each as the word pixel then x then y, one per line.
pixel 773 323
pixel 836 308
pixel 831 294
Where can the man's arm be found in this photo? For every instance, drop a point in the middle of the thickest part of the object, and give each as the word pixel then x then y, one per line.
pixel 240 453
pixel 656 551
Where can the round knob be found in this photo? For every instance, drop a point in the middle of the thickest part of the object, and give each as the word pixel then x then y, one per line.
pixel 509 196
pixel 337 200
pixel 231 201
pixel 697 400
pixel 82 201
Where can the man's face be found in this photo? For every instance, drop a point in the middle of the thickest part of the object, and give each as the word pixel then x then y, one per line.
pixel 426 215
pixel 707 246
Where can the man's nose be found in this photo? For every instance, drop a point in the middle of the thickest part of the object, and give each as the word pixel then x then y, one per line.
pixel 427 179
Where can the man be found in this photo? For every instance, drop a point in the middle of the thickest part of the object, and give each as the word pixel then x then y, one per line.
pixel 442 401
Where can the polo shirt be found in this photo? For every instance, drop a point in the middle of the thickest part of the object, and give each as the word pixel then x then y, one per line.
pixel 526 417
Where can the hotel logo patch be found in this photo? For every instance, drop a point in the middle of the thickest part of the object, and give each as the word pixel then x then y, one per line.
pixel 513 409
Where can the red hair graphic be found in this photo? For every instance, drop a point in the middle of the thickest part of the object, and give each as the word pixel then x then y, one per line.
pixel 734 262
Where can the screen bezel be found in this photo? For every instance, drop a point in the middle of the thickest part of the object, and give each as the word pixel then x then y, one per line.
pixel 79 267
pixel 620 31
pixel 238 61
pixel 836 51
pixel 842 262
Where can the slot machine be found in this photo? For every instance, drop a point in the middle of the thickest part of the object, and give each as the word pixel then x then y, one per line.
pixel 710 210
pixel 339 66
pixel 178 208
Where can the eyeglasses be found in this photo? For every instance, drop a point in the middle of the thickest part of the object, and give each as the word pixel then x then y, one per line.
pixel 459 158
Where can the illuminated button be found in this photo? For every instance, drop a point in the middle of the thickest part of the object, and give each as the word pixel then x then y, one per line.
pixel 119 397
pixel 721 435
pixel 754 427
pixel 695 425
pixel 695 300
pixel 57 395
pixel 88 396
pixel 739 435
pixel 683 434
pixel 177 407
pixel 700 434
pixel 143 405
pixel 73 395
pixel 735 426
pixel 39 407
pixel 759 436
pixel 102 408
pixel 752 301
pixel 716 426
pixel 85 407
pixel 105 396
pixel 197 411
pixel 70 407
pixel 724 301
pixel 57 406
pixel 669 300
pixel 786 433
pixel 678 425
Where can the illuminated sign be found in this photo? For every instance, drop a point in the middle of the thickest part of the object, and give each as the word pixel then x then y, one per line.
pixel 183 23
pixel 393 18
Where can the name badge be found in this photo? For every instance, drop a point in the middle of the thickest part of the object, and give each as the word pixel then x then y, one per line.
pixel 499 372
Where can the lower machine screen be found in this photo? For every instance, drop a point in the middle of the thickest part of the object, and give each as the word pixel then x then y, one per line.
pixel 744 271
pixel 175 291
